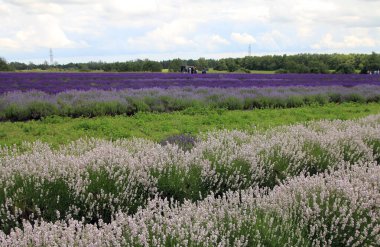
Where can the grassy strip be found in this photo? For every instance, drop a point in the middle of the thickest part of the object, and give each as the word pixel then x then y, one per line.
pixel 157 126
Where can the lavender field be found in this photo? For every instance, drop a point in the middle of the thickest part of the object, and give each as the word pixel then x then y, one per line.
pixel 60 82
pixel 25 96
pixel 316 184
pixel 310 184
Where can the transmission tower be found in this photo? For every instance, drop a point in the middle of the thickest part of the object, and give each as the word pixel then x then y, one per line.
pixel 51 57
pixel 249 50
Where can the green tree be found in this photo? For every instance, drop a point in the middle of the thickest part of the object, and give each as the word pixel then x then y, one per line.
pixel 318 67
pixel 175 65
pixel 3 65
pixel 231 64
pixel 202 63
pixel 346 68
pixel 373 62
pixel 18 66
pixel 152 66
pixel 221 65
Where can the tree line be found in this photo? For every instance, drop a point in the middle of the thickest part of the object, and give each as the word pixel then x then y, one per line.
pixel 299 63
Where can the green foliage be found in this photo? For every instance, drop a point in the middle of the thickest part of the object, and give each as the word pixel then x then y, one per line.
pixel 179 184
pixel 345 68
pixel 3 65
pixel 175 65
pixel 166 103
pixel 152 66
pixel 93 109
pixel 202 63
pixel 49 196
pixel 221 65
pixel 34 110
pixel 372 62
pixel 299 63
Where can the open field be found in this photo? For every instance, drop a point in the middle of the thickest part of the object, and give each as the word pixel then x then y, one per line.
pixel 134 159
pixel 251 71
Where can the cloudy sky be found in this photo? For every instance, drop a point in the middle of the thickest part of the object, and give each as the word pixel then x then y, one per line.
pixel 117 30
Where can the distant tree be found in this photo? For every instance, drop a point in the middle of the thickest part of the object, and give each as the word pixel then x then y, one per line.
pixel 232 64
pixel 202 63
pixel 152 66
pixel 211 63
pixel 3 65
pixel 299 63
pixel 175 65
pixel 44 66
pixel 191 62
pixel 18 66
pixel 84 67
pixel 291 66
pixel 221 65
pixel 373 62
pixel 318 67
pixel 346 68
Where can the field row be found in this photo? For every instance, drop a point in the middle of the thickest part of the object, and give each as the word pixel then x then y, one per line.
pixel 94 180
pixel 60 82
pixel 339 208
pixel 160 126
pixel 21 106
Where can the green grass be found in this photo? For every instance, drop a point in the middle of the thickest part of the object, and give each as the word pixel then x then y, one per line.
pixel 157 126
pixel 211 71
pixel 263 72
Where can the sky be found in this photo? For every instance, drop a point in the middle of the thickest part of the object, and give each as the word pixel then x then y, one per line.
pixel 116 30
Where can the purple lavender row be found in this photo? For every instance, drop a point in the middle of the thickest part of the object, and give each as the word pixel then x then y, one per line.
pixel 34 104
pixel 59 82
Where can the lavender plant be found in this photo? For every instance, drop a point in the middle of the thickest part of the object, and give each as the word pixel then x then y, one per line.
pixel 60 82
pixel 93 180
pixel 338 208
pixel 18 105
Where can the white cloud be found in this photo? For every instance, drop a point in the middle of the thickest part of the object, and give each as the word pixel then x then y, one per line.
pixel 304 31
pixel 178 26
pixel 45 32
pixel 273 40
pixel 8 43
pixel 243 38
pixel 348 41
pixel 217 39
pixel 169 36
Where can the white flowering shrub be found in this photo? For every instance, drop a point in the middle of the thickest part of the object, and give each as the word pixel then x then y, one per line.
pixel 316 184
pixel 336 208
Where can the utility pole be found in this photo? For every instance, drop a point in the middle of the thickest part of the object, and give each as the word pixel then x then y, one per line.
pixel 51 57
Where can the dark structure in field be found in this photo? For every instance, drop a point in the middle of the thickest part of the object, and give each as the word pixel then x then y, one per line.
pixel 189 69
